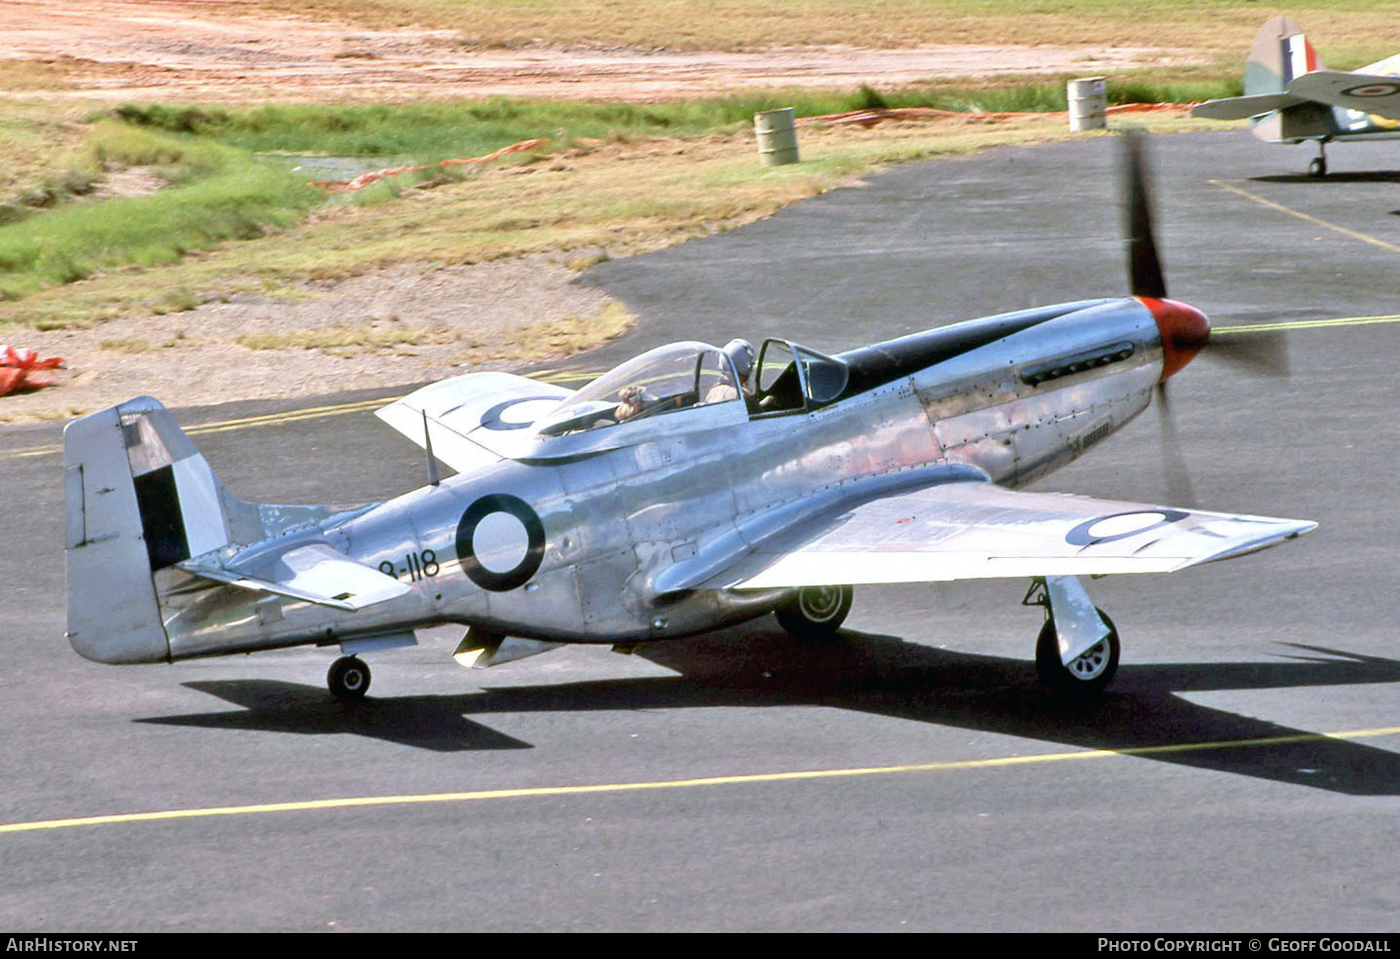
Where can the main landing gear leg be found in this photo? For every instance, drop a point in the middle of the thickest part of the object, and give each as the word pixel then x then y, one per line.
pixel 1077 651
pixel 348 679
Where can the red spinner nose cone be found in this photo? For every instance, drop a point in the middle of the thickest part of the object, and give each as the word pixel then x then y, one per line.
pixel 1185 331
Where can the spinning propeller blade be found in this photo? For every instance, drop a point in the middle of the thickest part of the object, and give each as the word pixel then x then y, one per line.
pixel 1184 330
pixel 1264 352
pixel 1178 477
pixel 1144 268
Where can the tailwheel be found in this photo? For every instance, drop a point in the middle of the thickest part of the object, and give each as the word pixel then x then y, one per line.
pixel 1086 676
pixel 816 611
pixel 348 679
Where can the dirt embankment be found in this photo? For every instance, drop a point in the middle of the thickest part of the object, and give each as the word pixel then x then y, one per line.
pixel 230 50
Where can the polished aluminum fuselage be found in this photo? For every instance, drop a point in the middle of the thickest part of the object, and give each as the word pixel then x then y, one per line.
pixel 633 519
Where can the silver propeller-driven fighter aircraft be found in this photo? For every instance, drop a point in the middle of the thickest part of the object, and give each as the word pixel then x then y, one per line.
pixel 1289 97
pixel 689 488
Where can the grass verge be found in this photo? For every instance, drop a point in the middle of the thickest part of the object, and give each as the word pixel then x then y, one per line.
pixel 603 199
pixel 216 193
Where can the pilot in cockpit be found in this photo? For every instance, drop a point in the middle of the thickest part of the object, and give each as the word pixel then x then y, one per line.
pixel 632 401
pixel 741 354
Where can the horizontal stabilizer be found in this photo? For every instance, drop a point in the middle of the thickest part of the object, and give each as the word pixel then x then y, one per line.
pixel 1241 108
pixel 314 573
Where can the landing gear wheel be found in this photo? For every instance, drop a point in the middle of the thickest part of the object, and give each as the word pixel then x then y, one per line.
pixel 1318 167
pixel 816 611
pixel 1087 675
pixel 348 679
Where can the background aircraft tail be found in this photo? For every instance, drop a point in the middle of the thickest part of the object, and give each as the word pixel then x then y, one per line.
pixel 1280 53
pixel 140 498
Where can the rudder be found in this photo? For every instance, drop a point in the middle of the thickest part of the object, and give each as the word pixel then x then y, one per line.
pixel 139 498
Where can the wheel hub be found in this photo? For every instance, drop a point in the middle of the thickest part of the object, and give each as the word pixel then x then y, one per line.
pixel 1091 663
pixel 820 603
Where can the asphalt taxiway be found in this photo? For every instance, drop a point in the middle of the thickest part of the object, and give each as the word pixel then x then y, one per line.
pixel 1243 773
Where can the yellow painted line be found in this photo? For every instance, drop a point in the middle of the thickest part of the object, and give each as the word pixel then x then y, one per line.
pixel 242 423
pixel 545 791
pixel 1306 324
pixel 293 416
pixel 1316 221
pixel 568 376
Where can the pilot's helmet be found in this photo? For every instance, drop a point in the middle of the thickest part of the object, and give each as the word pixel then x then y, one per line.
pixel 741 353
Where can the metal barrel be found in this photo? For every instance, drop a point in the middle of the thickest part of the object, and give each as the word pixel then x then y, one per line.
pixel 777 137
pixel 1087 104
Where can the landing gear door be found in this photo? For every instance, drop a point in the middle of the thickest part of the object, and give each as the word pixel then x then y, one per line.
pixel 1078 625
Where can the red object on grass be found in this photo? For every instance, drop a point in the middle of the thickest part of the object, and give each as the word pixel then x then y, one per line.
pixel 18 363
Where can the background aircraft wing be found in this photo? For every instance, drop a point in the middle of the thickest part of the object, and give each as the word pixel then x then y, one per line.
pixel 1368 93
pixel 474 420
pixel 1240 108
pixel 970 530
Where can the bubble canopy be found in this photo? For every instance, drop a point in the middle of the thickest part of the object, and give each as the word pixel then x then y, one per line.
pixel 674 377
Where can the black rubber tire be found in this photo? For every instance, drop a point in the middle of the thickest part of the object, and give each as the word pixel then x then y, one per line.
pixel 1086 677
pixel 1318 167
pixel 348 679
pixel 816 611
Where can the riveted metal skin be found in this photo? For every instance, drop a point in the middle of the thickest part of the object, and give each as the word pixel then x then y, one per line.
pixel 602 534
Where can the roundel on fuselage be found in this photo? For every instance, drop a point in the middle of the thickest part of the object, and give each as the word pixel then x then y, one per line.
pixel 500 542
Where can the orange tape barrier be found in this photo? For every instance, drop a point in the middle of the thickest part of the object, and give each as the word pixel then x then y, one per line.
pixel 16 365
pixel 365 179
pixel 868 118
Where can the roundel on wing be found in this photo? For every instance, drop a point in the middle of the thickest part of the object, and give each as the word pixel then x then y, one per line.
pixel 519 413
pixel 1106 529
pixel 1372 90
pixel 500 542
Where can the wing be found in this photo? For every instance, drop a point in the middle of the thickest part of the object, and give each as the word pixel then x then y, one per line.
pixel 968 530
pixel 1369 93
pixel 473 420
pixel 315 573
pixel 1240 108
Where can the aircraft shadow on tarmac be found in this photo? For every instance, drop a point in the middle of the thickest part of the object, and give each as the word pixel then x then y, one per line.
pixel 427 722
pixel 883 675
pixel 1369 176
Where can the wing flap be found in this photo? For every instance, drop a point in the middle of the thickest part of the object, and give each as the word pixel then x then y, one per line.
pixel 980 531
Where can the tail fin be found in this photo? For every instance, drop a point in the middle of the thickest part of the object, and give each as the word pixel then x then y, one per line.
pixel 140 498
pixel 1280 54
